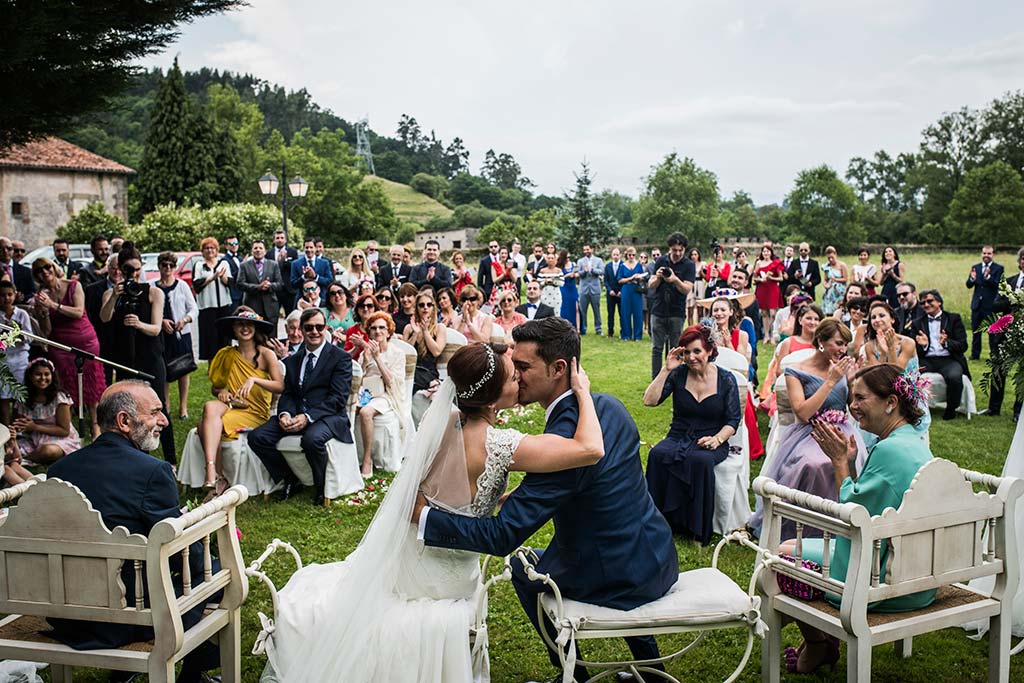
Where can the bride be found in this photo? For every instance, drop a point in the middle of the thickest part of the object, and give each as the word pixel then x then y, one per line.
pixel 394 610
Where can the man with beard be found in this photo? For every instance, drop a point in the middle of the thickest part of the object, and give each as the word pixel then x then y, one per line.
pixel 130 488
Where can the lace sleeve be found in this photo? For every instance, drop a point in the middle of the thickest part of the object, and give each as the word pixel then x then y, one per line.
pixel 501 444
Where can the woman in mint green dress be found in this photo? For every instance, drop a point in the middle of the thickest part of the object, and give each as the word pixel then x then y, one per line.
pixel 884 400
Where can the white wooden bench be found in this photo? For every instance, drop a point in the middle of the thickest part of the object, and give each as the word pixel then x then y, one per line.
pixel 701 600
pixel 58 559
pixel 936 541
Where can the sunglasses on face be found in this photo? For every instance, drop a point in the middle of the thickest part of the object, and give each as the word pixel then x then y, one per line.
pixel 385 298
pixel 357 258
pixel 902 295
pixel 336 292
pixel 367 304
pixel 929 301
pixel 379 328
pixel 424 304
pixel 311 327
pixel 232 244
pixel 308 290
pixel 167 264
pixel 466 301
pixel 42 269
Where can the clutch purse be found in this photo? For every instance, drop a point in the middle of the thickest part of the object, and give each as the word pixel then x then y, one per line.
pixel 796 587
pixel 239 403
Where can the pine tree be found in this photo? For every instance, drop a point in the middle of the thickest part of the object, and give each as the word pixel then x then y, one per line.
pixel 582 220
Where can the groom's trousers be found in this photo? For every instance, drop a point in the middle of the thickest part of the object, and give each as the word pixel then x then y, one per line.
pixel 642 647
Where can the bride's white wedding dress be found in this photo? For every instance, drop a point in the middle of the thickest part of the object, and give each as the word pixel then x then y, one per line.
pixel 411 620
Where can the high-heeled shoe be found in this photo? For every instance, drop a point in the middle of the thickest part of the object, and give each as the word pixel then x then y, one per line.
pixel 218 487
pixel 792 656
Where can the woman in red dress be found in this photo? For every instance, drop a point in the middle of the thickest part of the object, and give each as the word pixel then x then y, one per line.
pixel 768 274
pixel 461 275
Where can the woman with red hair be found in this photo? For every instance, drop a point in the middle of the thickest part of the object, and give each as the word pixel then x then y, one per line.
pixel 705 413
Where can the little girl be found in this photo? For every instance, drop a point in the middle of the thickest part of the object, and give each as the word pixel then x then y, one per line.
pixel 14 473
pixel 45 432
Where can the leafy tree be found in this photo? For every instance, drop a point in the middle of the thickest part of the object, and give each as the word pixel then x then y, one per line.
pixel 409 132
pixel 455 159
pixel 539 226
pixel 63 60
pixel 582 221
pixel 466 189
pixel 187 159
pixel 617 205
pixel 950 148
pixel 91 221
pixel 824 210
pixel 504 171
pixel 772 219
pixel 431 185
pixel 244 121
pixel 679 196
pixel 474 215
pixel 989 206
pixel 1003 129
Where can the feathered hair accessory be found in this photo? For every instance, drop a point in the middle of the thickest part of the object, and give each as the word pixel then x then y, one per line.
pixel 912 386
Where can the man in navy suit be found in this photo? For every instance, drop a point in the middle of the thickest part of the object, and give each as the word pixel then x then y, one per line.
pixel 431 271
pixel 1001 306
pixel 310 267
pixel 984 279
pixel 130 488
pixel 485 277
pixel 533 309
pixel 317 381
pixel 611 546
pixel 612 288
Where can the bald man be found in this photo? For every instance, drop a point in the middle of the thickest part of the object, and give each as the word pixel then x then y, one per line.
pixel 132 489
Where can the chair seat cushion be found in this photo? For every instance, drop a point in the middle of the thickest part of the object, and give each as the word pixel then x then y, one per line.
pixel 699 596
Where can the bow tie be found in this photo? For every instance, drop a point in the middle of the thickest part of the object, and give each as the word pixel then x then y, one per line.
pixel 531 305
pixel 934 319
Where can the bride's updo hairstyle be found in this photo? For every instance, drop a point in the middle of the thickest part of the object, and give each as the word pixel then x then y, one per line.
pixel 479 376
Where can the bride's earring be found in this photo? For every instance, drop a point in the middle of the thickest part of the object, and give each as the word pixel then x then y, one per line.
pixel 821 349
pixel 888 411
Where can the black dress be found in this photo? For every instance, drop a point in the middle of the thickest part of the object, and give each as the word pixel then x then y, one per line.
pixel 681 474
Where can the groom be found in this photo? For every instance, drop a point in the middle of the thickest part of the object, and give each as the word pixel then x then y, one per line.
pixel 611 545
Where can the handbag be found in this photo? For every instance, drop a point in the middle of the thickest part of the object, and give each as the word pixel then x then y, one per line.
pixel 185 363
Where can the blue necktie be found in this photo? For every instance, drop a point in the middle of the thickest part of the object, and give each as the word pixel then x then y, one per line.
pixel 310 360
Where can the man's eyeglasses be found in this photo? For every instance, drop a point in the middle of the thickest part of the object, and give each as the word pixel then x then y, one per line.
pixel 902 295
pixel 311 327
pixel 307 290
pixel 929 301
pixel 233 244
pixel 19 251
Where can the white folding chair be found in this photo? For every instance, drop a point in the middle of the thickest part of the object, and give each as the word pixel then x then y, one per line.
pixel 937 394
pixel 732 475
pixel 420 403
pixel 238 464
pixel 343 475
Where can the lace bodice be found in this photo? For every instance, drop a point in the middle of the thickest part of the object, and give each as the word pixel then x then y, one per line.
pixel 491 484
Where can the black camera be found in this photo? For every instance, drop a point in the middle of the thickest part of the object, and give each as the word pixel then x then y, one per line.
pixel 665 272
pixel 133 292
pixel 715 246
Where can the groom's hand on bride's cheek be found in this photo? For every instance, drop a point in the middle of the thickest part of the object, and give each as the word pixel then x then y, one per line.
pixel 417 507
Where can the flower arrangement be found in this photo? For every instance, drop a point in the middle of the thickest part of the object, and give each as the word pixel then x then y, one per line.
pixel 834 417
pixel 1007 362
pixel 7 379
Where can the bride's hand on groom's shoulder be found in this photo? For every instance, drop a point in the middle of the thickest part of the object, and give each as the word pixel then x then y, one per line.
pixel 417 507
pixel 578 379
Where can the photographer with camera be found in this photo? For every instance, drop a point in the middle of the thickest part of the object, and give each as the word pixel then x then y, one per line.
pixel 136 312
pixel 673 279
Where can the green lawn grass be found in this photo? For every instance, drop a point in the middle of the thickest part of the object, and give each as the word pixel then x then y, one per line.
pixel 623 369
pixel 409 204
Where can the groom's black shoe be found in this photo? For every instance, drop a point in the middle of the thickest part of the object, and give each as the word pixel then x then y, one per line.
pixel 290 490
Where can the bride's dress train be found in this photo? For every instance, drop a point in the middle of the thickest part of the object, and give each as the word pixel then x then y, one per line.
pixel 395 610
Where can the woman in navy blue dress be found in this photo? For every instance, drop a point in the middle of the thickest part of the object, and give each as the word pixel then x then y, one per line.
pixel 705 413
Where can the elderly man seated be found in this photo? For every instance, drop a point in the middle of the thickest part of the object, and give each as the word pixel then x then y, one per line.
pixel 130 488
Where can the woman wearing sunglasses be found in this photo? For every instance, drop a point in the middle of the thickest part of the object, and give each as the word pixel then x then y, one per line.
pixel 339 316
pixel 472 322
pixel 60 314
pixel 429 338
pixel 357 270
pixel 386 299
pixel 357 336
pixel 180 310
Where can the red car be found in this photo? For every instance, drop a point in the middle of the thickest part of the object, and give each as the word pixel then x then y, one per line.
pixel 186 259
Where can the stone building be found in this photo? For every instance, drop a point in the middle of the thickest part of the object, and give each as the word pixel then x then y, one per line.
pixel 455 238
pixel 46 182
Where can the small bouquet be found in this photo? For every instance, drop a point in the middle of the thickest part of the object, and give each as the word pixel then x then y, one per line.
pixel 1006 362
pixel 833 417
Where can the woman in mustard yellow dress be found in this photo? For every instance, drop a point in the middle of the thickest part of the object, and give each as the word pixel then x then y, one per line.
pixel 243 378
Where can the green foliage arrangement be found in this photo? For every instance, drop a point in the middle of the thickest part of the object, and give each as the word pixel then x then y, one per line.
pixel 91 221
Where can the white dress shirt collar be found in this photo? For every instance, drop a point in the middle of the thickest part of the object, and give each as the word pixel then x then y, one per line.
pixel 550 409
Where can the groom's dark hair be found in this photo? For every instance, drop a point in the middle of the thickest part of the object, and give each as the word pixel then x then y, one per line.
pixel 555 338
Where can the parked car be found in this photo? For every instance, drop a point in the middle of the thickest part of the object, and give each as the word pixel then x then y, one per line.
pixel 186 259
pixel 76 252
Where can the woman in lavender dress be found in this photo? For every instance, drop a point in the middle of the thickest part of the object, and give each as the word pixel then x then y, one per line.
pixel 818 391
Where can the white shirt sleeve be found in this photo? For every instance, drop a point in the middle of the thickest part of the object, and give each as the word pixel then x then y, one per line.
pixel 421 530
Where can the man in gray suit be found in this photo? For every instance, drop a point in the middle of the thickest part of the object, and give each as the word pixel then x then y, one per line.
pixel 591 268
pixel 259 278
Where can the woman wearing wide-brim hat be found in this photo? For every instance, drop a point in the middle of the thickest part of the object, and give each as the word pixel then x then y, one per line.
pixel 243 378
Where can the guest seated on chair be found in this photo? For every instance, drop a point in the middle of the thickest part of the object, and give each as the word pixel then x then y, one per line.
pixel 507 315
pixel 383 379
pixel 357 336
pixel 884 401
pixel 447 309
pixel 817 389
pixel 131 489
pixel 472 322
pixel 318 378
pixel 534 308
pixel 14 472
pixel 311 297
pixel 941 344
pixel 44 425
pixel 242 378
pixel 705 414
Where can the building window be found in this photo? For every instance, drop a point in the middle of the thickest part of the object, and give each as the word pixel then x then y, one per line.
pixel 17 209
pixel 456 244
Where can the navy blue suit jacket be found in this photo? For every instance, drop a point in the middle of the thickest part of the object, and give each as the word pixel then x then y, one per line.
pixel 985 288
pixel 611 278
pixel 611 545
pixel 132 489
pixel 322 268
pixel 324 396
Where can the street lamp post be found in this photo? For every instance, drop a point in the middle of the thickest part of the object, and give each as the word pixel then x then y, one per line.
pixel 297 187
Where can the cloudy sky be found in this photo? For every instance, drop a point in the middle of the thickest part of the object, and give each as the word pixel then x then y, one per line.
pixel 753 91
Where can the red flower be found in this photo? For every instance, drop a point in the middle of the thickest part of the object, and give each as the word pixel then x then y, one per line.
pixel 1001 325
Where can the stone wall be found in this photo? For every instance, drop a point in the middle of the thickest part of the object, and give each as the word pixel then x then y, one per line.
pixel 46 199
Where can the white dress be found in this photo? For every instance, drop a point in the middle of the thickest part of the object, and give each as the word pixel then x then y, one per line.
pixel 422 634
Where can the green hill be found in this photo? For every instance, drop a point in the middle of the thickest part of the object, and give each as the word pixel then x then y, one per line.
pixel 409 204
